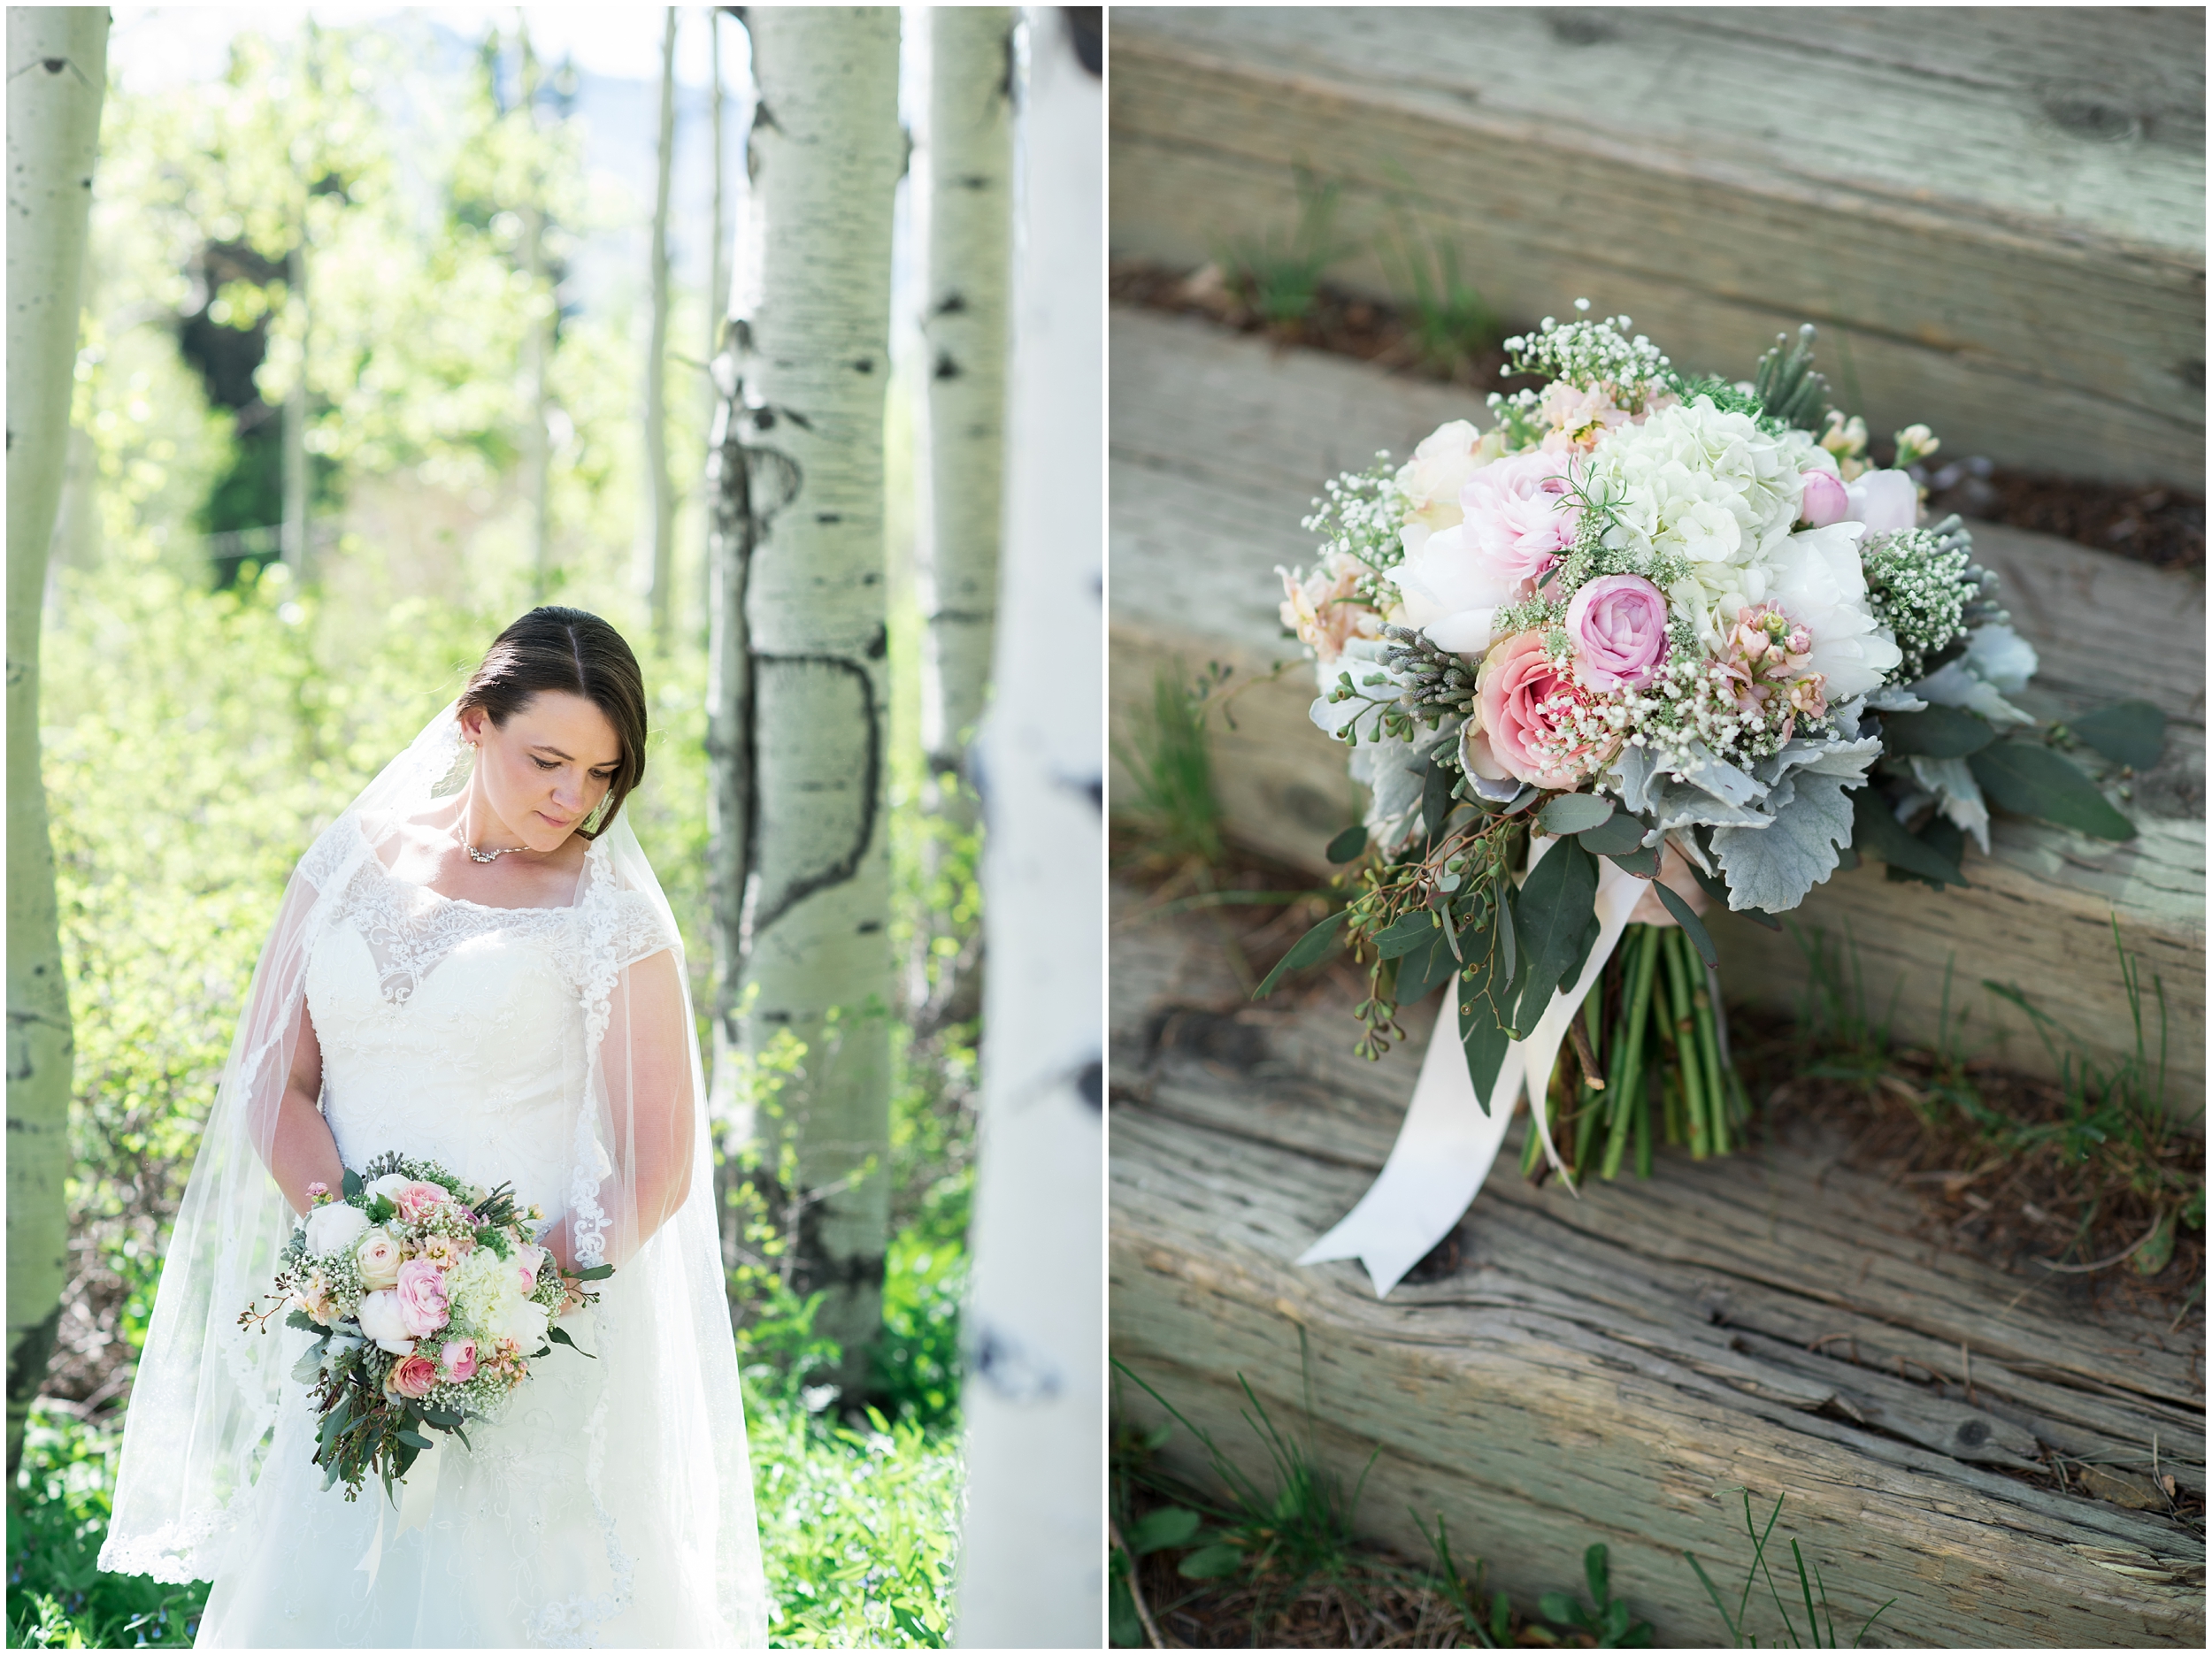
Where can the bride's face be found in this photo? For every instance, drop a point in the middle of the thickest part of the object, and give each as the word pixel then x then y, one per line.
pixel 547 769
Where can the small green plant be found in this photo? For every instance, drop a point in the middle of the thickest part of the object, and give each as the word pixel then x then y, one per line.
pixel 1737 1623
pixel 1169 769
pixel 1448 321
pixel 1280 278
pixel 1607 1621
pixel 1491 1627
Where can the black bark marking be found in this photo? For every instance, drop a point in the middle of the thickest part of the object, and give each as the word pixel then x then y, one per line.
pixel 1086 37
pixel 946 368
pixel 773 907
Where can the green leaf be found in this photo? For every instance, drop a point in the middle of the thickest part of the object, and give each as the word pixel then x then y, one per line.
pixel 1560 1607
pixel 1483 1038
pixel 1124 1628
pixel 2157 1251
pixel 1347 846
pixel 2132 733
pixel 596 1273
pixel 1554 904
pixel 1937 732
pixel 413 1439
pixel 351 1184
pixel 1420 971
pixel 1594 1563
pixel 1211 1563
pixel 1693 927
pixel 1308 949
pixel 1643 863
pixel 1576 813
pixel 2030 779
pixel 1156 1531
pixel 1436 797
pixel 304 1370
pixel 300 1319
pixel 1405 935
pixel 1618 835
pixel 1877 832
pixel 1509 938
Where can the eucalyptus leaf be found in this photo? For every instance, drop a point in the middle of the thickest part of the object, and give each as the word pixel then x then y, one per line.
pixel 1643 863
pixel 1404 936
pixel 1509 938
pixel 1308 949
pixel 1421 970
pixel 1347 846
pixel 2030 779
pixel 1693 927
pixel 2127 732
pixel 596 1273
pixel 1576 813
pixel 1618 834
pixel 351 1184
pixel 1554 906
pixel 1877 832
pixel 1938 732
pixel 1436 797
pixel 1483 1040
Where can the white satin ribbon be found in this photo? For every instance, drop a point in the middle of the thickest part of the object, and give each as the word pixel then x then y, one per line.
pixel 1445 1148
pixel 418 1497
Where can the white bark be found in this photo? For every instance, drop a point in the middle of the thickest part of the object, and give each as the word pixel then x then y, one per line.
pixel 718 274
pixel 800 693
pixel 1032 1563
pixel 57 68
pixel 971 175
pixel 661 499
pixel 537 339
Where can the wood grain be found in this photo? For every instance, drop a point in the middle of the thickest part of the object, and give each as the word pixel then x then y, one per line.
pixel 1614 1367
pixel 1216 446
pixel 1996 216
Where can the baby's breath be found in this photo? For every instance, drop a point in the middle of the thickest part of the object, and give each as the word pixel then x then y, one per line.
pixel 1360 513
pixel 1587 355
pixel 1918 584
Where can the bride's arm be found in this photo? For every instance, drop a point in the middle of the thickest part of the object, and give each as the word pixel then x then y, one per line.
pixel 645 1058
pixel 301 1149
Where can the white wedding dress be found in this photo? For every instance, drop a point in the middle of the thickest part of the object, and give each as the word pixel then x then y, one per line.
pixel 457 1033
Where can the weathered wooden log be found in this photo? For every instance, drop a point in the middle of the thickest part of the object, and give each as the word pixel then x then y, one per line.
pixel 1997 216
pixel 1218 446
pixel 1615 1365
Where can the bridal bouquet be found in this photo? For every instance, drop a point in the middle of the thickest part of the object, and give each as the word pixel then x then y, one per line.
pixel 1647 642
pixel 431 1299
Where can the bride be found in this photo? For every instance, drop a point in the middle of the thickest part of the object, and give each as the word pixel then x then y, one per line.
pixel 474 965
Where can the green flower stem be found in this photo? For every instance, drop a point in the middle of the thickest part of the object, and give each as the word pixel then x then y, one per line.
pixel 1643 1137
pixel 1627 1082
pixel 1708 1048
pixel 1693 1094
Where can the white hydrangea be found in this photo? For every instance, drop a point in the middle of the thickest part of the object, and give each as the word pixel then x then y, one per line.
pixel 1707 486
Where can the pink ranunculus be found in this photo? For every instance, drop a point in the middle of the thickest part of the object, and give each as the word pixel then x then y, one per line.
pixel 458 1359
pixel 1524 702
pixel 412 1377
pixel 1825 499
pixel 1519 517
pixel 416 1202
pixel 1620 627
pixel 422 1297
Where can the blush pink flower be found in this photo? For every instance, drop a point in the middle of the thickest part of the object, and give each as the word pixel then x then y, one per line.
pixel 1519 517
pixel 458 1359
pixel 1321 608
pixel 422 1297
pixel 416 1202
pixel 1578 418
pixel 412 1377
pixel 1527 707
pixel 1620 627
pixel 528 1262
pixel 1825 500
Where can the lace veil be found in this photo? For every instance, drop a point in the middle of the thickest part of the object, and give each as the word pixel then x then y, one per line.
pixel 639 1195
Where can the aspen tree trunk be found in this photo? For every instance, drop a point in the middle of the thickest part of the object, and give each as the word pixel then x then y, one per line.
pixel 800 715
pixel 718 274
pixel 57 69
pixel 661 499
pixel 537 340
pixel 970 176
pixel 1032 1563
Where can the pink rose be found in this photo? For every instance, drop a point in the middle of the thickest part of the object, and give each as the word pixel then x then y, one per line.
pixel 528 1262
pixel 458 1359
pixel 422 1299
pixel 412 1377
pixel 1526 702
pixel 1825 500
pixel 416 1202
pixel 1518 517
pixel 1620 627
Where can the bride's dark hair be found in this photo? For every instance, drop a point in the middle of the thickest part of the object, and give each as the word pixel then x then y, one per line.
pixel 573 651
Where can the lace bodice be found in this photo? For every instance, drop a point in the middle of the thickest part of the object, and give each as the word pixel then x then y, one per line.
pixel 461 1032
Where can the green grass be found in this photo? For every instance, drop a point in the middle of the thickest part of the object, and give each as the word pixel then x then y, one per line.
pixel 1280 274
pixel 1809 1584
pixel 1170 795
pixel 1448 321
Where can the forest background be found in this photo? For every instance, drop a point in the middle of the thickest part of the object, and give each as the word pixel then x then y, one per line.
pixel 209 703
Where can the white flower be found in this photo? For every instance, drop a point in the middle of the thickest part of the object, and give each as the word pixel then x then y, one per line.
pixel 334 1229
pixel 1883 502
pixel 382 1322
pixel 1445 459
pixel 1818 583
pixel 389 1186
pixel 1447 591
pixel 524 1322
pixel 377 1252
